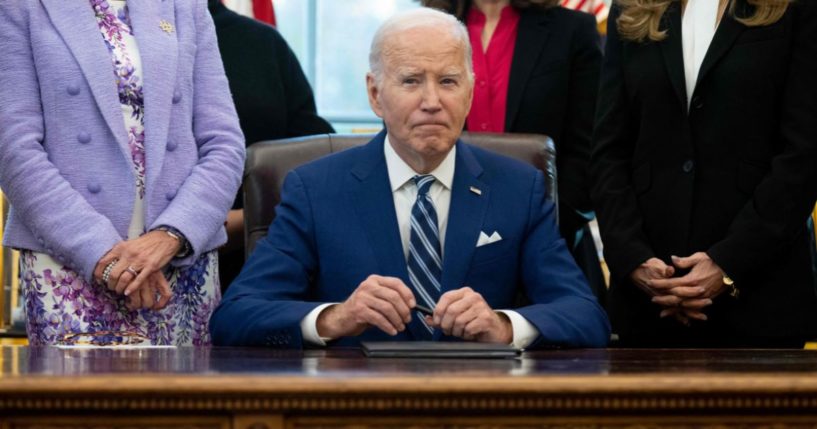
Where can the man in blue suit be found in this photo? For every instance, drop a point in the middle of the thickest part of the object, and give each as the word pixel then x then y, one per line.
pixel 415 218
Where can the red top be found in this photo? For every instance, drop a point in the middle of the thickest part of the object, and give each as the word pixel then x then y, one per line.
pixel 492 69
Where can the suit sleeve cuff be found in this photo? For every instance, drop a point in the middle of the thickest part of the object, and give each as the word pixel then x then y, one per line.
pixel 309 326
pixel 524 333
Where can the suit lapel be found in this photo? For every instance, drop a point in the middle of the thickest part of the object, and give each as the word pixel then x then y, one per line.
pixel 370 189
pixel 532 36
pixel 725 36
pixel 673 52
pixel 465 218
pixel 158 50
pixel 75 22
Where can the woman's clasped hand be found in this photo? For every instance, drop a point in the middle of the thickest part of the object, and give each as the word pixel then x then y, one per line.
pixel 135 269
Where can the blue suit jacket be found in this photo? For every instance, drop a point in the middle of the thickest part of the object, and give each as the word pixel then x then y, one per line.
pixel 336 225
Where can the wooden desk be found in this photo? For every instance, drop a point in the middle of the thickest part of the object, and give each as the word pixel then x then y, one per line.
pixel 264 389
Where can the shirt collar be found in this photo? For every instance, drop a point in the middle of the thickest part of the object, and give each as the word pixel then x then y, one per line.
pixel 400 172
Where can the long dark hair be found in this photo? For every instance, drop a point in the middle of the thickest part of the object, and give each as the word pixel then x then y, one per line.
pixel 458 8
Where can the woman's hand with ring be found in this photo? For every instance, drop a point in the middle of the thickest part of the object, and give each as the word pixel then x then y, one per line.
pixel 137 259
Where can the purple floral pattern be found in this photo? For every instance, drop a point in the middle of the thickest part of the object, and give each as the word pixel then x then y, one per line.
pixel 60 303
pixel 113 20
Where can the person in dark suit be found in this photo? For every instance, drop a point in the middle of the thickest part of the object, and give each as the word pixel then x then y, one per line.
pixel 537 68
pixel 414 217
pixel 272 97
pixel 704 171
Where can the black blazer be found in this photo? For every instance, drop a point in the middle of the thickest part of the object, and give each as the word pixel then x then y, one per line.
pixel 552 90
pixel 271 93
pixel 733 175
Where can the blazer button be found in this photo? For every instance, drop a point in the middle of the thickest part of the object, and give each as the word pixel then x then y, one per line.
pixel 73 89
pixel 697 102
pixel 84 138
pixel 171 146
pixel 170 195
pixel 177 97
pixel 688 166
pixel 94 188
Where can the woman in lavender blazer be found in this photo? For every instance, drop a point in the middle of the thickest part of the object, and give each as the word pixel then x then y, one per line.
pixel 120 153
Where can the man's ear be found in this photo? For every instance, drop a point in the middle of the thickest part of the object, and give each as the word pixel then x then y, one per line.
pixel 374 94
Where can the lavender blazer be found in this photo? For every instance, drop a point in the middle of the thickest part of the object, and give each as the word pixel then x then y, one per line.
pixel 64 159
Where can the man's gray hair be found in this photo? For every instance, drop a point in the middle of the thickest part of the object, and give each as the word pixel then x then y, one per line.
pixel 422 17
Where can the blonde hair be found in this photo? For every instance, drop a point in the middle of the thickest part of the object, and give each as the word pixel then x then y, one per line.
pixel 640 20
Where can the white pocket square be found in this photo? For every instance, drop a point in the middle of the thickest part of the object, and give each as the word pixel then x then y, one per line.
pixel 488 239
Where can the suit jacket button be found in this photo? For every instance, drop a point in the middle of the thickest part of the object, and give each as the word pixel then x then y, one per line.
pixel 73 89
pixel 84 138
pixel 697 102
pixel 171 146
pixel 94 188
pixel 688 166
pixel 170 195
pixel 177 97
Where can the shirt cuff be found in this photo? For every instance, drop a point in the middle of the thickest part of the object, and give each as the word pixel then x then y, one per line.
pixel 309 326
pixel 524 333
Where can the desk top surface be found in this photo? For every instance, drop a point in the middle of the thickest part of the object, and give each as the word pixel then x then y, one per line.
pixel 51 361
pixel 36 378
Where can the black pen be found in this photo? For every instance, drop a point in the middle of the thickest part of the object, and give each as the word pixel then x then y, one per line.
pixel 423 309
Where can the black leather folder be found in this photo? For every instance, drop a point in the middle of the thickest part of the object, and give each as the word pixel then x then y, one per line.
pixel 438 349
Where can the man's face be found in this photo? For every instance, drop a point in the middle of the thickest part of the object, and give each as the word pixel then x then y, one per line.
pixel 425 93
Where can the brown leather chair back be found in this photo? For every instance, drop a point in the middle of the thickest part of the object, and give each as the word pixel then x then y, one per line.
pixel 269 162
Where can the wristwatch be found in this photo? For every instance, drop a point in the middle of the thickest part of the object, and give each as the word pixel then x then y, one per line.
pixel 184 248
pixel 734 292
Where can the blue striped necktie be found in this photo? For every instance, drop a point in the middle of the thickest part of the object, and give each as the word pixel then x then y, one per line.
pixel 425 260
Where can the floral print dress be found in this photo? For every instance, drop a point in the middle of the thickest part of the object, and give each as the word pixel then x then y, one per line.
pixel 60 304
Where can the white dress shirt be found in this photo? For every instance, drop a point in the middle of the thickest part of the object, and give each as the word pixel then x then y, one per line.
pixel 404 192
pixel 697 31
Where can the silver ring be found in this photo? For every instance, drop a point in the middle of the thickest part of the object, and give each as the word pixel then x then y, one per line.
pixel 132 270
pixel 106 273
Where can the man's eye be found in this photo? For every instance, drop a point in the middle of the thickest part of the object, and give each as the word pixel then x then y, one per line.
pixel 411 81
pixel 449 81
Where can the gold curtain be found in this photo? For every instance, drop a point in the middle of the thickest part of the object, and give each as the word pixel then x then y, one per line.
pixel 3 310
pixel 9 289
